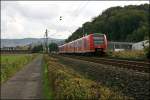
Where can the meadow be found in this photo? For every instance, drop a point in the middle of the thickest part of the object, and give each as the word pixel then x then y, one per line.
pixel 11 63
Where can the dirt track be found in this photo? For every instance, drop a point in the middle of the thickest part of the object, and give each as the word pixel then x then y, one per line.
pixel 26 84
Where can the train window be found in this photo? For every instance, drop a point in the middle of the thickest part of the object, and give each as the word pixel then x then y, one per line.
pixel 98 39
pixel 75 44
pixel 79 43
pixel 85 43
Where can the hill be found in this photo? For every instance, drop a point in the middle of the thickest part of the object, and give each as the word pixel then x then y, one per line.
pixel 27 41
pixel 125 24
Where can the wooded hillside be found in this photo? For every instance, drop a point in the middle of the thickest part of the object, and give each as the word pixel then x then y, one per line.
pixel 129 23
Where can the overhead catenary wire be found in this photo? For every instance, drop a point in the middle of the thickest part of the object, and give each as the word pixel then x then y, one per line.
pixel 81 10
pixel 77 9
pixel 77 12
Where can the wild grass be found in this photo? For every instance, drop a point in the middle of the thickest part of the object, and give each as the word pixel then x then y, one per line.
pixel 136 54
pixel 12 63
pixel 69 84
pixel 130 82
pixel 47 83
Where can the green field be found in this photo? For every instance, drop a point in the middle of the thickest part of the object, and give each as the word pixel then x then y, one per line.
pixel 11 63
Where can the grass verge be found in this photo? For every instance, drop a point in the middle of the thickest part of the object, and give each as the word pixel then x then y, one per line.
pixel 47 83
pixel 130 82
pixel 69 84
pixel 129 55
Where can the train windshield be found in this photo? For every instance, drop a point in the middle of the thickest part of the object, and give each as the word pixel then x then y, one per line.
pixel 98 38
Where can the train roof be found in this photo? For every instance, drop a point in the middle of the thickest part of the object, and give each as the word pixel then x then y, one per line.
pixel 99 33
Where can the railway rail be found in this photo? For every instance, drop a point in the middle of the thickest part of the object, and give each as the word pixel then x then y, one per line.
pixel 142 66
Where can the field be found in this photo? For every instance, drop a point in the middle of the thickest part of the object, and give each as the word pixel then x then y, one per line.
pixel 11 63
pixel 67 83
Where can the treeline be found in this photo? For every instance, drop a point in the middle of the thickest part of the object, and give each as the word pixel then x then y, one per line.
pixel 125 24
pixel 53 47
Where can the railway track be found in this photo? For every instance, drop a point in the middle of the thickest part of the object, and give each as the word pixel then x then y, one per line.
pixel 142 66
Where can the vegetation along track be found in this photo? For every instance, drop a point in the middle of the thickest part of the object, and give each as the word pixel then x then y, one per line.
pixel 130 82
pixel 142 66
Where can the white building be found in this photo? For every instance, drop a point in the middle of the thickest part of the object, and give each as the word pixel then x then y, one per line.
pixel 140 45
pixel 121 46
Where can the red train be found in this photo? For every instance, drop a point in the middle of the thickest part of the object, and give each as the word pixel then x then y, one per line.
pixel 92 43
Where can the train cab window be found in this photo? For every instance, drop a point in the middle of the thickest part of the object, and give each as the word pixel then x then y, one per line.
pixel 98 38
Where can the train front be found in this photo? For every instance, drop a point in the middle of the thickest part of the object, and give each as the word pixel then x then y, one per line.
pixel 99 42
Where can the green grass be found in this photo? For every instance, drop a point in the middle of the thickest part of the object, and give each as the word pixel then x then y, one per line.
pixel 12 63
pixel 47 83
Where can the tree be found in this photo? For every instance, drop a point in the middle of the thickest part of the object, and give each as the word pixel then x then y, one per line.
pixel 53 47
pixel 37 48
pixel 129 23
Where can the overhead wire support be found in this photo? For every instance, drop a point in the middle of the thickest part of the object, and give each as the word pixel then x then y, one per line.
pixel 46 40
pixel 80 11
pixel 76 12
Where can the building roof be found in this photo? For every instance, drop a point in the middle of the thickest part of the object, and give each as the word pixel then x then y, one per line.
pixel 127 43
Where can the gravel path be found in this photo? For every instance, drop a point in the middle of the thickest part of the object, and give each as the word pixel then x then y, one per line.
pixel 25 84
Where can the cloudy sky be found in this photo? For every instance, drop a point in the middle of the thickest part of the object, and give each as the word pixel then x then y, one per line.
pixel 29 19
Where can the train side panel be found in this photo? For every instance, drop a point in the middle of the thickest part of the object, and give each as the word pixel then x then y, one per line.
pixel 91 43
pixel 82 45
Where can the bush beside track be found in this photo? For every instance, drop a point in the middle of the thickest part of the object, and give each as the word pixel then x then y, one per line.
pixel 69 84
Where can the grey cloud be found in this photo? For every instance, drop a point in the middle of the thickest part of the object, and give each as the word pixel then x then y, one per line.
pixel 33 19
pixel 33 12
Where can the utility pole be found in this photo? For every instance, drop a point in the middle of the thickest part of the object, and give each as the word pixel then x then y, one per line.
pixel 46 40
pixel 83 29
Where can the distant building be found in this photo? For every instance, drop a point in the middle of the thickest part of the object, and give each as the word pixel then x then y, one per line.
pixel 8 48
pixel 15 48
pixel 120 46
pixel 140 45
